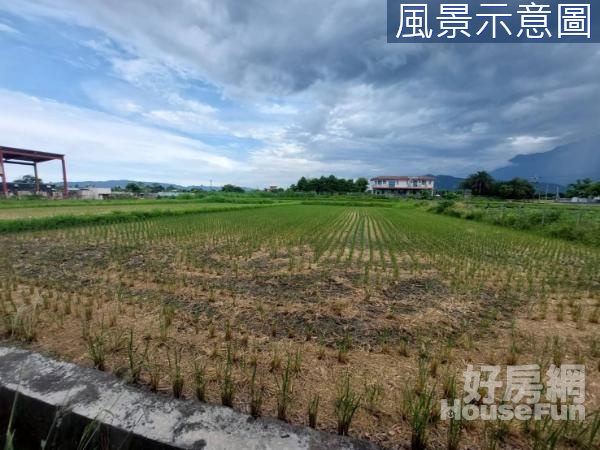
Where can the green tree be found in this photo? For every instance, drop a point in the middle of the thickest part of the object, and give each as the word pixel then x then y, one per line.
pixel 330 184
pixel 133 187
pixel 302 185
pixel 27 179
pixel 503 190
pixel 480 183
pixel 522 188
pixel 232 188
pixel 517 189
pixel 361 184
pixel 583 188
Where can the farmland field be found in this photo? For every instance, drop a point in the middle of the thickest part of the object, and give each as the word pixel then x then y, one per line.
pixel 26 213
pixel 276 307
pixel 58 208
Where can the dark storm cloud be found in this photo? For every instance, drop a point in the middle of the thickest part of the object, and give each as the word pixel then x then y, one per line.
pixel 402 108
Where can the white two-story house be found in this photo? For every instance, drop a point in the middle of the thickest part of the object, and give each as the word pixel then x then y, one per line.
pixel 394 185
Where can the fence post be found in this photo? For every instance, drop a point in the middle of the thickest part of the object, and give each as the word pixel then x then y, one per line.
pixel 543 216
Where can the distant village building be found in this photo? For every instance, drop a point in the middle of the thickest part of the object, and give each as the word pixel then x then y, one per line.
pixel 91 193
pixel 584 200
pixel 401 185
pixel 28 189
pixel 167 194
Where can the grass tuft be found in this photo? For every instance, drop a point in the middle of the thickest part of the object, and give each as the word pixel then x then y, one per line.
pixel 346 404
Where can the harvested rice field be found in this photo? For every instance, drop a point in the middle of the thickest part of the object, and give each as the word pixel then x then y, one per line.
pixel 354 320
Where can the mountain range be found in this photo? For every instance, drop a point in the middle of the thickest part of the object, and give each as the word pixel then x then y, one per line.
pixel 561 165
pixel 549 170
pixel 122 183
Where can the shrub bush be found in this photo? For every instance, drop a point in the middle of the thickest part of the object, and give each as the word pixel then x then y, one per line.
pixel 443 206
pixel 474 214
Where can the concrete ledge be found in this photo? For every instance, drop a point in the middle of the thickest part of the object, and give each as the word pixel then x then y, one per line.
pixel 60 400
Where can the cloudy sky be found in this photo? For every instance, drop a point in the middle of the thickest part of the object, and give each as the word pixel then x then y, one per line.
pixel 258 92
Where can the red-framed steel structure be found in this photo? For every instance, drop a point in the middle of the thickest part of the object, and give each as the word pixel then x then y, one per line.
pixel 22 157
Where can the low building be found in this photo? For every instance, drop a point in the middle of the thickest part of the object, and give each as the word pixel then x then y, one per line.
pixel 92 193
pixel 168 194
pixel 401 185
pixel 274 188
pixel 584 200
pixel 28 189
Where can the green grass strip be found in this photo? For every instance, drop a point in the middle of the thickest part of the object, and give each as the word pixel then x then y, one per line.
pixel 68 221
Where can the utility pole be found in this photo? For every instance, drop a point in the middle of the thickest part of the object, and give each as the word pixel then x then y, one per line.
pixel 535 181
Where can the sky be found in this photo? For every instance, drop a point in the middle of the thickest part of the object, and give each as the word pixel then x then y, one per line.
pixel 260 93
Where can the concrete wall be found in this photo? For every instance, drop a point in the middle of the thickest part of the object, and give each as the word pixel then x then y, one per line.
pixel 60 400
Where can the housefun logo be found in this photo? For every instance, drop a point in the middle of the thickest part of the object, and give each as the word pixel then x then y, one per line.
pixel 521 398
pixel 507 21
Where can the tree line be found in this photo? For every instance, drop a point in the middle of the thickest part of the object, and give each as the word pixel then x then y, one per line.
pixel 139 188
pixel 483 184
pixel 330 184
pixel 583 188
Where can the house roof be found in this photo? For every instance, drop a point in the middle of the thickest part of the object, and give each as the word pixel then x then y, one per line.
pixel 403 178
